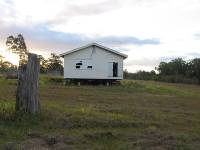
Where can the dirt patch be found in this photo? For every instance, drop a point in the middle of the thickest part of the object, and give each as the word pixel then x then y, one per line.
pixel 50 143
pixel 155 141
pixel 100 135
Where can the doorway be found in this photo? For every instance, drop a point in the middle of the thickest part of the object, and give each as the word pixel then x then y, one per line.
pixel 115 69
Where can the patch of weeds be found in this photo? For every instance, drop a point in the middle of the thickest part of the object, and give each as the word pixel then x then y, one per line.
pixel 156 140
pixel 10 146
pixel 153 88
pixel 51 80
pixel 33 133
pixel 106 140
pixel 51 140
pixel 132 84
pixel 7 110
pixel 4 81
pixel 73 122
pixel 101 135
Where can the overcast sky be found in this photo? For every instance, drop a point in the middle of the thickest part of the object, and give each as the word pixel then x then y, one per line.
pixel 148 31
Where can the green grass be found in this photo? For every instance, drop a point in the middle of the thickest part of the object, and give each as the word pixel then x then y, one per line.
pixel 133 115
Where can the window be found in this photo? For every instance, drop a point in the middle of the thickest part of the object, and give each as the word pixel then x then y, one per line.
pixel 79 64
pixel 83 64
pixel 89 64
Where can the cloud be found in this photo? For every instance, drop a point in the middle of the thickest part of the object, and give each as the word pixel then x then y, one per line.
pixel 42 38
pixel 53 12
pixel 146 30
pixel 194 54
pixel 124 40
pixel 169 58
pixel 197 36
pixel 149 64
pixel 152 62
pixel 7 11
pixel 143 63
pixel 90 9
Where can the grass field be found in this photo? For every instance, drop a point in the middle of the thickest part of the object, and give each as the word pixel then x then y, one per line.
pixel 136 115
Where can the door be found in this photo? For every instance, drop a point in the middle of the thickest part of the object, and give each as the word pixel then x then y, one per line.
pixel 115 69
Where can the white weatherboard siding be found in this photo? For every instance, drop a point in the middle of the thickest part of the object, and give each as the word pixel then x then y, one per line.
pixel 96 57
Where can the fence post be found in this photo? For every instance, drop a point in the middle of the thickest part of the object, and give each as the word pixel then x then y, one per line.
pixel 27 97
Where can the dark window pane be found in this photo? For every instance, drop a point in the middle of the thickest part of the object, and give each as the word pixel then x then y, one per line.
pixel 80 63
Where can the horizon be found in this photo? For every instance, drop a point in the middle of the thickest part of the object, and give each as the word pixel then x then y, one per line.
pixel 147 31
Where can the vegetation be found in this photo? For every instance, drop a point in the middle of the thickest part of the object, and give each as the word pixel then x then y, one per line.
pixel 17 45
pixel 177 71
pixel 134 115
pixel 52 65
pixel 6 67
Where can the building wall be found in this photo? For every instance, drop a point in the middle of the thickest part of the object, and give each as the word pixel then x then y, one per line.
pixel 97 58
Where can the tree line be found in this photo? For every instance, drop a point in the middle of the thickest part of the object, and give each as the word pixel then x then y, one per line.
pixel 6 66
pixel 177 71
pixel 51 65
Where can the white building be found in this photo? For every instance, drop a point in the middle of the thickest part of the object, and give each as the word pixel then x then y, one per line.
pixel 93 62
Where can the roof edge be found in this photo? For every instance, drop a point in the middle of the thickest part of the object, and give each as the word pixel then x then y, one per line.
pixel 94 44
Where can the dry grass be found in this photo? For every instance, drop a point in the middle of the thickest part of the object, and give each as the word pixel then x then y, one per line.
pixel 134 115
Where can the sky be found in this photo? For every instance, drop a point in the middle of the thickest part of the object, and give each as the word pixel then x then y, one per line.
pixel 148 31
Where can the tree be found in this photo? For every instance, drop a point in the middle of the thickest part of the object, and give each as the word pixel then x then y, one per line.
pixel 195 65
pixel 43 64
pixel 8 67
pixel 7 64
pixel 1 60
pixel 55 63
pixel 18 46
pixel 175 67
pixel 178 66
pixel 125 73
pixel 152 73
pixel 163 68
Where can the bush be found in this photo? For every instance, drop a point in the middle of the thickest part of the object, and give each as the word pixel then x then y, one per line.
pixel 47 79
pixel 11 76
pixel 56 79
pixel 176 79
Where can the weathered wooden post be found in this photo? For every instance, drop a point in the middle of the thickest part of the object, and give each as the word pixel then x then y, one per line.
pixel 27 97
pixel 21 89
pixel 32 72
